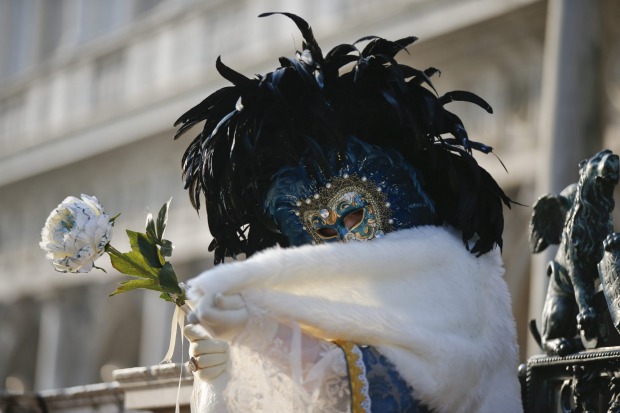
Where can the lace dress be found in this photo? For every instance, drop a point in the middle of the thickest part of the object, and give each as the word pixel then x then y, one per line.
pixel 289 371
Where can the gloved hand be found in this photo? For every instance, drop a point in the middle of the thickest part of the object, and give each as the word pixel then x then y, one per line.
pixel 222 315
pixel 209 356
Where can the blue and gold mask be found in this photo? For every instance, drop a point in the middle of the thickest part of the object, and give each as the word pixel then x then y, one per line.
pixel 359 194
pixel 348 208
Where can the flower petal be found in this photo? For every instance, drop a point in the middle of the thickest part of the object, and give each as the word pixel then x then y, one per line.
pixel 75 234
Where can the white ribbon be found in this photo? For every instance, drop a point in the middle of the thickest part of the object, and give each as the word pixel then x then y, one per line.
pixel 177 407
pixel 178 319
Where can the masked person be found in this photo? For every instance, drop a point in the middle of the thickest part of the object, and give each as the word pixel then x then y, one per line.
pixel 349 146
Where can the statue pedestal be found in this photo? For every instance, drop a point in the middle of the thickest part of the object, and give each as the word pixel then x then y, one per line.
pixel 586 381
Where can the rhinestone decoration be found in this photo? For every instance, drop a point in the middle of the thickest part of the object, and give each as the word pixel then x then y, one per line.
pixel 316 196
pixel 308 200
pixel 324 213
pixel 328 185
pixel 298 203
pixel 345 176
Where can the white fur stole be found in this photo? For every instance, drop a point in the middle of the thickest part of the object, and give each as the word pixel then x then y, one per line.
pixel 438 313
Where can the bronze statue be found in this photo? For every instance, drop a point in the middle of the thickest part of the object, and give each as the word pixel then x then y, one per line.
pixel 609 271
pixel 579 219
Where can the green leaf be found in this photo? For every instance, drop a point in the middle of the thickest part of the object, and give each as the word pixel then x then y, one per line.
pixel 131 263
pixel 150 226
pixel 162 220
pixel 145 246
pixel 166 296
pixel 133 240
pixel 166 248
pixel 168 280
pixel 125 286
pixel 149 251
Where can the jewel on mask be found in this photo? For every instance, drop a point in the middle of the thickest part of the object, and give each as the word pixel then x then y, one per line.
pixel 345 176
pixel 298 203
pixel 364 179
pixel 324 213
pixel 316 196
pixel 308 200
pixel 328 185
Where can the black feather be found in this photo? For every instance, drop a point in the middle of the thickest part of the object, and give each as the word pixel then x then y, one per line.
pixel 379 46
pixel 365 39
pixel 290 116
pixel 306 32
pixel 341 50
pixel 232 76
pixel 464 96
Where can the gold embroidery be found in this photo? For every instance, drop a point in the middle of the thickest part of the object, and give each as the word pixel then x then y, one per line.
pixel 360 400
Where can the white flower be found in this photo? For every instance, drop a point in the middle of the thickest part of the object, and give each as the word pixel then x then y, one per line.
pixel 76 234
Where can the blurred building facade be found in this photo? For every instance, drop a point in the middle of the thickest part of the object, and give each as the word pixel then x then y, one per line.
pixel 89 91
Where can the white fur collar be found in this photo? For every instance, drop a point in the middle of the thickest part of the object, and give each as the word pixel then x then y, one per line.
pixel 441 315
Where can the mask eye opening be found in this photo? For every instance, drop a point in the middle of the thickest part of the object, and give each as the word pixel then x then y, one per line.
pixel 353 219
pixel 326 232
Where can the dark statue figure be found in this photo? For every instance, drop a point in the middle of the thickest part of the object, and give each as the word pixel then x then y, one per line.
pixel 614 388
pixel 579 393
pixel 579 219
pixel 609 271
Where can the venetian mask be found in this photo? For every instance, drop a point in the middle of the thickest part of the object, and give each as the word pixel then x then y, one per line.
pixel 348 208
pixel 359 194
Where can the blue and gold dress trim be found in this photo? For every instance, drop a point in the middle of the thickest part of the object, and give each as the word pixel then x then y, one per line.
pixel 376 385
pixel 360 399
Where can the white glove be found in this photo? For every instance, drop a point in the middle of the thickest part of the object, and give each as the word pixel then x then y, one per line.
pixel 224 316
pixel 209 357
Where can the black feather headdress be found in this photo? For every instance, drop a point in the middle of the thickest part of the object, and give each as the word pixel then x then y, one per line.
pixel 312 102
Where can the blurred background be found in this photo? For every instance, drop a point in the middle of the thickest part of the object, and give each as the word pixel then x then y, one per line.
pixel 89 90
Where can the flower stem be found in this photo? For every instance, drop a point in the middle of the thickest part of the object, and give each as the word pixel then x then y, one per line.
pixel 185 308
pixel 111 250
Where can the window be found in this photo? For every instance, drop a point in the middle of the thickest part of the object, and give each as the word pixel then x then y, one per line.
pixel 108 82
pixel 18 29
